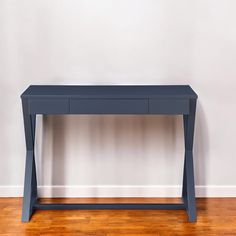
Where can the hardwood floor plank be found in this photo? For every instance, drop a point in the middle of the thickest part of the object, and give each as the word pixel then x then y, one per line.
pixel 216 216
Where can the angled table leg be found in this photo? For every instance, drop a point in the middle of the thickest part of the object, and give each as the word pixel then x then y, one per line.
pixel 188 192
pixel 30 183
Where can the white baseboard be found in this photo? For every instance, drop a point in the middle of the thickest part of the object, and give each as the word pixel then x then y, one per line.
pixel 120 191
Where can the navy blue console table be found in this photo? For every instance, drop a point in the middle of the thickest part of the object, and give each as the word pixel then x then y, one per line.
pixel 170 100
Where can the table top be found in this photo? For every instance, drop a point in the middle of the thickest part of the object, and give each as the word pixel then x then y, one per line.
pixel 111 91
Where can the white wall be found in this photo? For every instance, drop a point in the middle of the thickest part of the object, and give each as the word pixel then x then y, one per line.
pixel 119 42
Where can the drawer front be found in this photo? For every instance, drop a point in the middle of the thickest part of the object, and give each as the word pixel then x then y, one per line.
pixel 49 106
pixel 169 106
pixel 108 106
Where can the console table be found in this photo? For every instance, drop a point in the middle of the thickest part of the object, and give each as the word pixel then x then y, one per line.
pixel 169 100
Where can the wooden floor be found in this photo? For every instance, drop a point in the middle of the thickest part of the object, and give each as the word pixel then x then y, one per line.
pixel 215 217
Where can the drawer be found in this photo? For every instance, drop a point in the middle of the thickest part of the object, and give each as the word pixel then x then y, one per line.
pixel 108 106
pixel 169 106
pixel 49 106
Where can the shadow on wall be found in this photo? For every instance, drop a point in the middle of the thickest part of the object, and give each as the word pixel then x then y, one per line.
pixel 122 150
pixel 201 146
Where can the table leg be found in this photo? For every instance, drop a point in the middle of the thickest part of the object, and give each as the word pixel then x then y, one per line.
pixel 188 192
pixel 30 183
